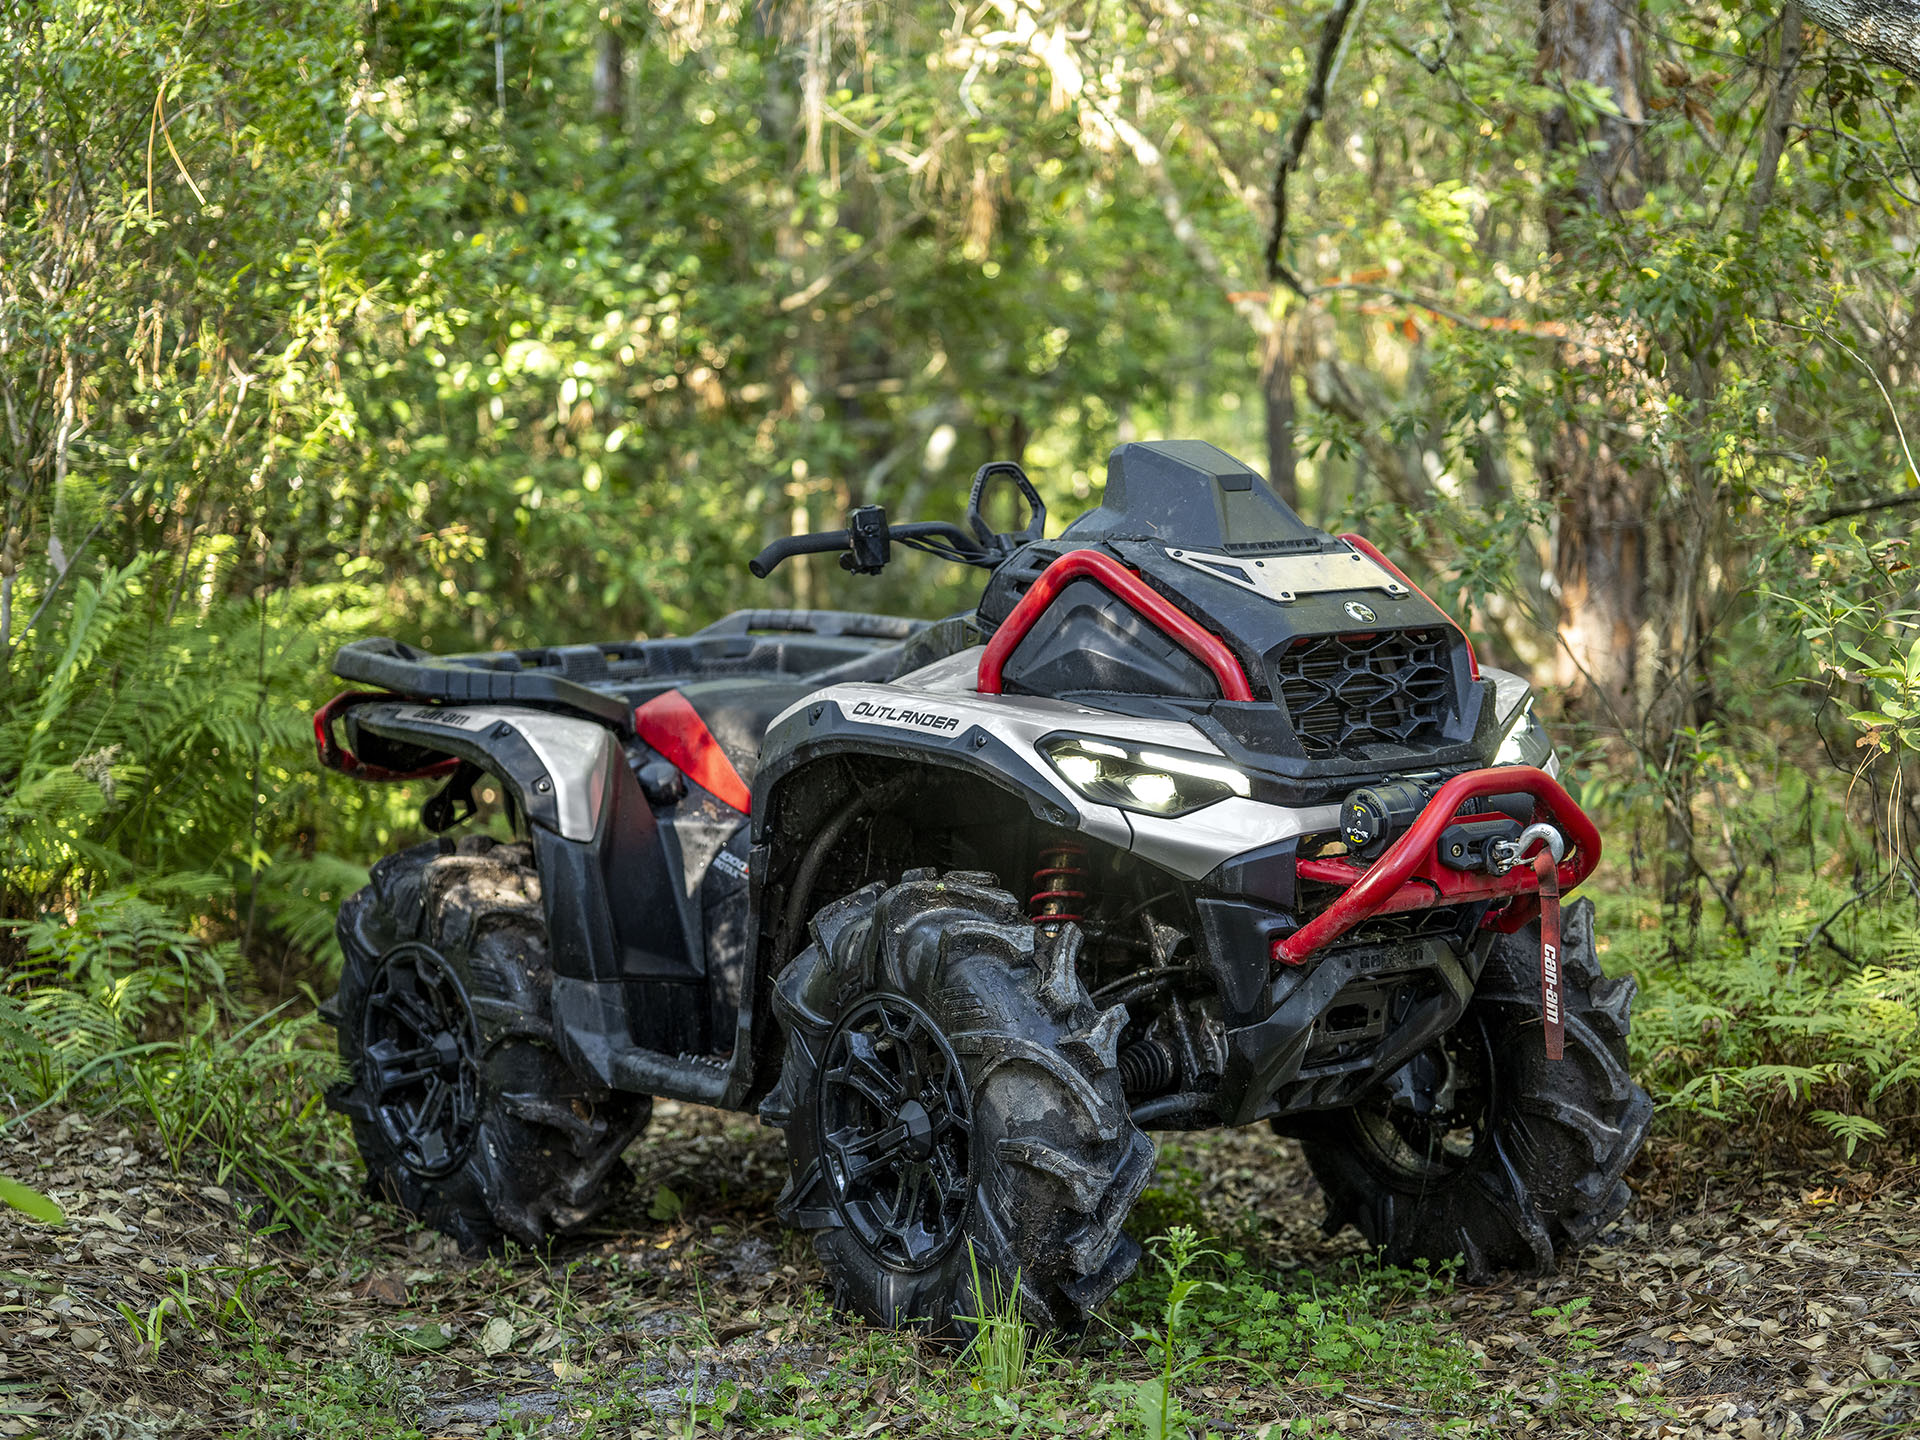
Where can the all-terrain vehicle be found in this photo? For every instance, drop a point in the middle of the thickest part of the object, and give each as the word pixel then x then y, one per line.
pixel 1203 817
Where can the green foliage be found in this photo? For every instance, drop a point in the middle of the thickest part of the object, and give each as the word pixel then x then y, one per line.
pixel 1003 1352
pixel 1176 1357
pixel 1786 1023
pixel 30 1202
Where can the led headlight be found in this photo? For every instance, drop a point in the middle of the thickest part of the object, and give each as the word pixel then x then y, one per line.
pixel 1527 743
pixel 1155 782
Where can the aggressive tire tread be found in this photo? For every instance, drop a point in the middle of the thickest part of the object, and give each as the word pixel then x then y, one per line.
pixel 1561 1133
pixel 547 1155
pixel 1054 1164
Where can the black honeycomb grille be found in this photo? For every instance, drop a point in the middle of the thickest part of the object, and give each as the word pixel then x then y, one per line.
pixel 1345 691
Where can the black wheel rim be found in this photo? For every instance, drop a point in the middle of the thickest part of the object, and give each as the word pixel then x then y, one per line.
pixel 895 1123
pixel 420 1043
pixel 1431 1118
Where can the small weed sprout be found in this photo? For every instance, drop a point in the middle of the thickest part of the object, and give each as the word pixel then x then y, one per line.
pixel 1176 1252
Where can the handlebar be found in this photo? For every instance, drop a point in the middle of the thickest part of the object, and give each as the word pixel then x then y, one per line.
pixel 827 542
pixel 865 544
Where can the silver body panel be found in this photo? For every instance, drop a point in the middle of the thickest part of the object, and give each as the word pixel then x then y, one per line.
pixel 578 755
pixel 939 701
pixel 1284 578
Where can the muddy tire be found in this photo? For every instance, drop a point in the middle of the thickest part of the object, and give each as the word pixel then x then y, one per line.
pixel 1481 1147
pixel 463 1109
pixel 952 1108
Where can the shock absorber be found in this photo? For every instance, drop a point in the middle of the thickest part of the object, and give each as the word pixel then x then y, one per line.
pixel 1060 884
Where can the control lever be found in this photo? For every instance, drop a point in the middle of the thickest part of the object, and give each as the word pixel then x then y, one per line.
pixel 868 544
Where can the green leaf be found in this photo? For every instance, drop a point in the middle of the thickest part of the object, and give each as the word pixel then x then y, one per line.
pixel 423 1337
pixel 29 1201
pixel 666 1205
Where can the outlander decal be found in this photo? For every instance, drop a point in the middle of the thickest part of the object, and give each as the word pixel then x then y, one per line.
pixel 904 717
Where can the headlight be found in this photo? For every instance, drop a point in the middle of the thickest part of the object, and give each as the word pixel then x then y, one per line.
pixel 1526 743
pixel 1154 782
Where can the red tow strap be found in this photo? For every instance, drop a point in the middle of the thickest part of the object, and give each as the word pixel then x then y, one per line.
pixel 1548 873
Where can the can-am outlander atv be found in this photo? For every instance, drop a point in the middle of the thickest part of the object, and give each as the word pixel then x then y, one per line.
pixel 1203 817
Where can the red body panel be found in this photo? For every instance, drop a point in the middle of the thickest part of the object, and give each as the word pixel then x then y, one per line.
pixel 1176 624
pixel 673 727
pixel 1410 876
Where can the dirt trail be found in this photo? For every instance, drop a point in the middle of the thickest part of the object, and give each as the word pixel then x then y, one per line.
pixel 1763 1305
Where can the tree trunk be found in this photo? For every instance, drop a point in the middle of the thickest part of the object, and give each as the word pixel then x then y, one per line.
pixel 1600 550
pixel 610 78
pixel 1276 387
pixel 1596 42
pixel 1883 30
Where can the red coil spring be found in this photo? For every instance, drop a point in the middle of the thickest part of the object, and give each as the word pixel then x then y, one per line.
pixel 1059 884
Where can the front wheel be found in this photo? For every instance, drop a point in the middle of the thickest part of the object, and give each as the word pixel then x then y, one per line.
pixel 1482 1148
pixel 954 1115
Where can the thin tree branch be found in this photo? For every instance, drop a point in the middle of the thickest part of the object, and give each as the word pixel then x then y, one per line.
pixel 1333 49
pixel 818 285
pixel 1840 512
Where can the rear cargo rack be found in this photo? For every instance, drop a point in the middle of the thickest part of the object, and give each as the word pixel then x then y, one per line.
pixel 469 680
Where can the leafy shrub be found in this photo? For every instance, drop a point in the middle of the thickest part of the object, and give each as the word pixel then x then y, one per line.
pixel 1812 1016
pixel 157 808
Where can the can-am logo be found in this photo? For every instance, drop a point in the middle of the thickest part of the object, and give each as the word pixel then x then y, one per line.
pixel 1363 613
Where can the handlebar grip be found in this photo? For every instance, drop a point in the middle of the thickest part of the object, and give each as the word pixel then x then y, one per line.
pixel 787 546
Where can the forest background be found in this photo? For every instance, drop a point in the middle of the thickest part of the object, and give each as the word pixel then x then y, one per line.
pixel 490 323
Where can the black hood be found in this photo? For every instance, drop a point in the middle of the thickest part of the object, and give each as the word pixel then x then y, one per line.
pixel 1187 492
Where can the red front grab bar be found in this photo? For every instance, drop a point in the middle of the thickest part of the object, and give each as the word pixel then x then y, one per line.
pixel 1174 623
pixel 1410 876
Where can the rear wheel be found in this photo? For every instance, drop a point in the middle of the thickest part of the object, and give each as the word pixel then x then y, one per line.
pixel 463 1109
pixel 1480 1147
pixel 953 1111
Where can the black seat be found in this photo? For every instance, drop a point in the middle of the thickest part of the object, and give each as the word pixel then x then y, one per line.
pixel 737 713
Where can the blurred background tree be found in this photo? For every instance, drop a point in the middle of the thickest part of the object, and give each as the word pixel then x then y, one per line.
pixel 510 322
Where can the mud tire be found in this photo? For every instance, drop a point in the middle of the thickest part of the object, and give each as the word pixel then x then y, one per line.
pixel 1053 1162
pixel 540 1154
pixel 1558 1136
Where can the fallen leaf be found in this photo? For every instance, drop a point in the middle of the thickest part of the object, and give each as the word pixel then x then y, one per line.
pixel 386 1289
pixel 497 1337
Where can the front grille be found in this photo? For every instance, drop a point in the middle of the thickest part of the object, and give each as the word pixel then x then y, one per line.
pixel 1342 692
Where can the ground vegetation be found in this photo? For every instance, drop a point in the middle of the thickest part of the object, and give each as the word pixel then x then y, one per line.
pixel 497 323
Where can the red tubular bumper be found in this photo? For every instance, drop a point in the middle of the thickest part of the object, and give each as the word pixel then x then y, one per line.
pixel 1410 876
pixel 336 756
pixel 1124 585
